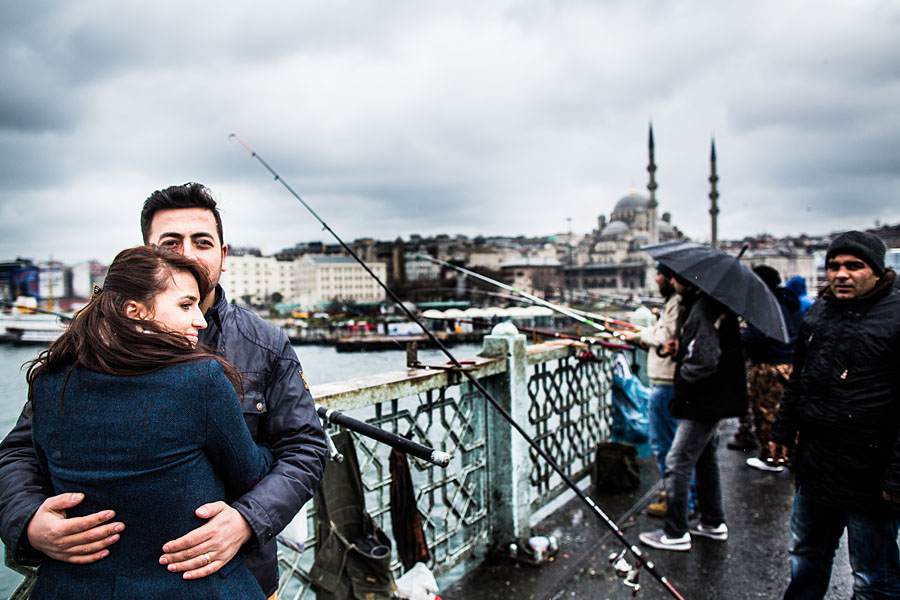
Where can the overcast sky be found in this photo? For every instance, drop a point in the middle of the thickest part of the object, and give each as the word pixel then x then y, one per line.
pixel 394 118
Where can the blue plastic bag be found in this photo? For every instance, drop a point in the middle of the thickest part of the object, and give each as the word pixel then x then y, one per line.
pixel 630 400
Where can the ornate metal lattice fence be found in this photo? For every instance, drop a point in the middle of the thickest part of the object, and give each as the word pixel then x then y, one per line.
pixel 568 413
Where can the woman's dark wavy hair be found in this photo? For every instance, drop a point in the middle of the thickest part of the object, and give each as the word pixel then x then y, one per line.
pixel 102 338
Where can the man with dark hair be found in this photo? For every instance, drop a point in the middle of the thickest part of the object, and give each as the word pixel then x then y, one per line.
pixel 843 399
pixel 770 366
pixel 661 370
pixel 278 411
pixel 710 385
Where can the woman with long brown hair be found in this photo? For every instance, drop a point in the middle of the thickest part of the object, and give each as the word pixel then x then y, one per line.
pixel 128 410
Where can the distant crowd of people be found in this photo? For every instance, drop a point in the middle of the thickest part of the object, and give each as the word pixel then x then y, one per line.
pixel 825 404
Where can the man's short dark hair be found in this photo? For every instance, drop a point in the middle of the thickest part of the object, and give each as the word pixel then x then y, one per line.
pixel 189 195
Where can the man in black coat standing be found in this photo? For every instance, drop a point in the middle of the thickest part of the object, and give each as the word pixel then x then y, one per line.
pixel 842 404
pixel 710 385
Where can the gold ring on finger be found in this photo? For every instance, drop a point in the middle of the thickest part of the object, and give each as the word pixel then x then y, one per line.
pixel 206 556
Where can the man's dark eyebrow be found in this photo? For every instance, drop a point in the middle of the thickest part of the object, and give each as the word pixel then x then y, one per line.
pixel 171 234
pixel 835 263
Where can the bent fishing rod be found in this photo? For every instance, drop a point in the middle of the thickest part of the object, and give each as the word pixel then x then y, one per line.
pixel 643 560
pixel 540 301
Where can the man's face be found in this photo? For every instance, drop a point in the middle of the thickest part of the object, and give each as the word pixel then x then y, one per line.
pixel 681 288
pixel 664 284
pixel 849 276
pixel 192 233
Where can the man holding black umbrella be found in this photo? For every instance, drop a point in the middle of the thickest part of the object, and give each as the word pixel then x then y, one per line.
pixel 843 399
pixel 709 385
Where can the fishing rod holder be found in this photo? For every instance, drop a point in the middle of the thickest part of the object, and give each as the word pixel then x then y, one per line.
pixel 331 416
pixel 412 361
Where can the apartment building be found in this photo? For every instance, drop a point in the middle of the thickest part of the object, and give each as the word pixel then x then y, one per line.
pixel 322 279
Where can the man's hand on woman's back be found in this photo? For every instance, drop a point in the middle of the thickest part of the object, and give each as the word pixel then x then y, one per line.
pixel 78 540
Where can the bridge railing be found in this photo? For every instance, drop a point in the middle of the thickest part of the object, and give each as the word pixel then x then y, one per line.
pixel 495 482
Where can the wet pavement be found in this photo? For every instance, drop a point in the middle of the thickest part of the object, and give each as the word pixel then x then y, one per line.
pixel 752 563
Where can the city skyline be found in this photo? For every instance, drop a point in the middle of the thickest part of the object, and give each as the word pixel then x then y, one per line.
pixel 392 119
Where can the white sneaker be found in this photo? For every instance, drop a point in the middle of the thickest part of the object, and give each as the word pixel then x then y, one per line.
pixel 659 539
pixel 758 463
pixel 718 533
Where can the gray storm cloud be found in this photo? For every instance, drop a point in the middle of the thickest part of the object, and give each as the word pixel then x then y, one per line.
pixel 395 118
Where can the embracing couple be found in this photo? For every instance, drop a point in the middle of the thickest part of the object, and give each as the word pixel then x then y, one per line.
pixel 168 436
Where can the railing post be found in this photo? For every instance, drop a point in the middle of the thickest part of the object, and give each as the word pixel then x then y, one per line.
pixel 509 464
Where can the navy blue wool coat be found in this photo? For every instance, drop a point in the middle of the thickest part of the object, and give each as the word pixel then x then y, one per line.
pixel 153 448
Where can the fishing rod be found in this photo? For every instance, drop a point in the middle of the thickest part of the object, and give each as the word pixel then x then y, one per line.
pixel 624 324
pixel 643 560
pixel 592 341
pixel 435 457
pixel 35 309
pixel 565 311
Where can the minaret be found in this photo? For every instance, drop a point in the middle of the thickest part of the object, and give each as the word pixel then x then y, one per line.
pixel 652 220
pixel 713 196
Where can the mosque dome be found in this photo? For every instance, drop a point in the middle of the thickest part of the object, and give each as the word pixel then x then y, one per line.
pixel 632 201
pixel 615 228
pixel 665 227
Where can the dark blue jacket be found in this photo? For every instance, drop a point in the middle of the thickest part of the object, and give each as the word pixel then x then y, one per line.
pixel 153 448
pixel 278 410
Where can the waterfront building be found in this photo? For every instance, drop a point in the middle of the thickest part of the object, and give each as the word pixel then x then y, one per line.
pixel 419 269
pixel 308 281
pixel 541 277
pixel 253 279
pixel 322 279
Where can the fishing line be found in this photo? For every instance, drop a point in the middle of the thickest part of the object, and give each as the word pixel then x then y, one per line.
pixel 509 288
pixel 642 558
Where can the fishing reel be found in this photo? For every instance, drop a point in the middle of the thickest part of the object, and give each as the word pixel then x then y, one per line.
pixel 624 569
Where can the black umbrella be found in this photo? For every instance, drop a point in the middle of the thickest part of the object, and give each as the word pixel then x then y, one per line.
pixel 727 279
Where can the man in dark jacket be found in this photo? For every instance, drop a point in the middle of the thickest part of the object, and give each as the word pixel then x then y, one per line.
pixel 843 399
pixel 278 411
pixel 710 385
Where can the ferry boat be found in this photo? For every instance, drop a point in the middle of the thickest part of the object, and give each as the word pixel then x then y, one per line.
pixel 25 323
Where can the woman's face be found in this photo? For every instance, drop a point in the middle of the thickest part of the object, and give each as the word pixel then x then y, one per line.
pixel 177 308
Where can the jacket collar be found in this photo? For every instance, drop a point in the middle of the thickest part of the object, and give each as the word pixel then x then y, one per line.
pixel 215 316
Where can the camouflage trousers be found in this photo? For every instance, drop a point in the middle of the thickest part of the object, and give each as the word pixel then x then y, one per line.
pixel 766 387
